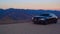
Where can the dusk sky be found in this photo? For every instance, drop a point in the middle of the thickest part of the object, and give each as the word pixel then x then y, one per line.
pixel 31 4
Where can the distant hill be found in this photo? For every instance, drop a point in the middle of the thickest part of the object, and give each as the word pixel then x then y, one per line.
pixel 23 14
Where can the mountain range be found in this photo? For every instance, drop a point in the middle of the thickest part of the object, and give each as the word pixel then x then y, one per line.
pixel 23 14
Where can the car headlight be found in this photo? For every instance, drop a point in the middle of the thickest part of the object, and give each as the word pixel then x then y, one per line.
pixel 42 19
pixel 32 17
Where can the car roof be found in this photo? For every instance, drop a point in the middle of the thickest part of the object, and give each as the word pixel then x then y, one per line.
pixel 51 14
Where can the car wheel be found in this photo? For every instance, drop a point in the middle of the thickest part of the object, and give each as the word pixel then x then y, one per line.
pixel 35 22
pixel 55 21
pixel 45 23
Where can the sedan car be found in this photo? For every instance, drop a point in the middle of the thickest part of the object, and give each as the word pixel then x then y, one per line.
pixel 45 18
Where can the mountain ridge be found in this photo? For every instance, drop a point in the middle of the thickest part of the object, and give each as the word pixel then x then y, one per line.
pixel 22 14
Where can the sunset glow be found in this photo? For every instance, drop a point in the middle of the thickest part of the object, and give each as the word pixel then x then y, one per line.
pixel 31 4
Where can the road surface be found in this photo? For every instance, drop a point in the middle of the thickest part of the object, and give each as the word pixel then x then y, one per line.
pixel 30 28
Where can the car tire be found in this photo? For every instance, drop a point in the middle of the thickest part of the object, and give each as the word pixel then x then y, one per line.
pixel 45 23
pixel 55 21
pixel 35 22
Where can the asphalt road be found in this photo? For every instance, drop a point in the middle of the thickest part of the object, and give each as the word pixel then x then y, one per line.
pixel 30 28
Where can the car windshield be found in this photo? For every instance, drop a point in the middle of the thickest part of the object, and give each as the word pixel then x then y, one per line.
pixel 44 15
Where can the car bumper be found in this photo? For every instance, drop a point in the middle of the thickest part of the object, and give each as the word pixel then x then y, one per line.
pixel 43 21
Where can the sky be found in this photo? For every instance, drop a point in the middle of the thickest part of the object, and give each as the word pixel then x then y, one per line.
pixel 31 4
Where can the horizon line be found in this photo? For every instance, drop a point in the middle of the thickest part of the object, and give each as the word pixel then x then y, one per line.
pixel 29 9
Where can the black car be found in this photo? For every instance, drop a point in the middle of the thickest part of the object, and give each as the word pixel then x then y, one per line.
pixel 45 18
